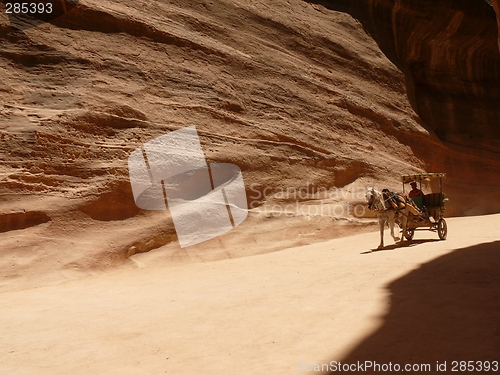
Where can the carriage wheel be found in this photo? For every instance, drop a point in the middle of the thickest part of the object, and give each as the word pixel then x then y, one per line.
pixel 410 232
pixel 442 229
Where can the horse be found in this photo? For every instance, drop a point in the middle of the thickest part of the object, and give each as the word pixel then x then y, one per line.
pixel 388 211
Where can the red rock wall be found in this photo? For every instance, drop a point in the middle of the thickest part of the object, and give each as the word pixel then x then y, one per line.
pixel 496 5
pixel 448 51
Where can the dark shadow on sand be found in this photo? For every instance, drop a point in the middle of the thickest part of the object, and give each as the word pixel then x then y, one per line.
pixel 447 310
pixel 405 244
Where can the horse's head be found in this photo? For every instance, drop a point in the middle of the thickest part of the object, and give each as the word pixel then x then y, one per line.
pixel 370 195
pixel 374 199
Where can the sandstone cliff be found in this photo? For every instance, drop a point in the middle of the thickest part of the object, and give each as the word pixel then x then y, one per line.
pixel 448 52
pixel 296 94
pixel 496 5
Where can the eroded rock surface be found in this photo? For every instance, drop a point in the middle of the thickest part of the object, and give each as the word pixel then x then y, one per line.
pixel 296 94
pixel 496 5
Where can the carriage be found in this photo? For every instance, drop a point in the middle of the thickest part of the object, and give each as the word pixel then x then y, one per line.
pixel 430 207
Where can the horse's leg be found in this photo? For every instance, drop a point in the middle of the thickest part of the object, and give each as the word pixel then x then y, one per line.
pixel 404 221
pixel 381 223
pixel 391 225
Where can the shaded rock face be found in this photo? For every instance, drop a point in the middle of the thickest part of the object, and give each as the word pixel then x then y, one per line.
pixel 449 53
pixel 496 5
pixel 22 220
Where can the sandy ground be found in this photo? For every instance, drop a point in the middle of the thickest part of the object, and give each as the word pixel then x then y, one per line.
pixel 334 300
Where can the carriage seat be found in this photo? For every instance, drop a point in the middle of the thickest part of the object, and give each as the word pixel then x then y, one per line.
pixel 418 201
pixel 433 203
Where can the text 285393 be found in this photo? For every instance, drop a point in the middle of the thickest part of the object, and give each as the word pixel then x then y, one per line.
pixel 28 8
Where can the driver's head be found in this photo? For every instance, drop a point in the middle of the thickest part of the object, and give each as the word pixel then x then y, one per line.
pixel 413 185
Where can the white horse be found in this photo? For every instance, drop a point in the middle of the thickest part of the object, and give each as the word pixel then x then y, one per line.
pixel 386 213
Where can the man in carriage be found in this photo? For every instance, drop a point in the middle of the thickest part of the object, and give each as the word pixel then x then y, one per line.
pixel 416 194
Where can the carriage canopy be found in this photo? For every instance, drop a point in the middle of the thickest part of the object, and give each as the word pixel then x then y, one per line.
pixel 420 176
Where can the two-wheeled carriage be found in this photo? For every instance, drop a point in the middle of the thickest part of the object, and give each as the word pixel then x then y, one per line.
pixel 431 207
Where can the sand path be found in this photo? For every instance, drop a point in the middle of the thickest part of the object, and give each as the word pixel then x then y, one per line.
pixel 252 315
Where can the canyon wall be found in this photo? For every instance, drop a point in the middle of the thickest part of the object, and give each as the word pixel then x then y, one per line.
pixel 299 95
pixel 449 53
pixel 496 5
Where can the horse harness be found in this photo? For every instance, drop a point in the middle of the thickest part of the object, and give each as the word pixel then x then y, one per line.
pixel 396 202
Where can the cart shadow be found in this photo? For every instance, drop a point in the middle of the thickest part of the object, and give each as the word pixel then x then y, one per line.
pixel 446 310
pixel 405 243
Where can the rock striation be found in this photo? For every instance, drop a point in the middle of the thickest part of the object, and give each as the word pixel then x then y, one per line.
pixel 299 95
